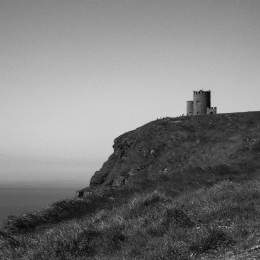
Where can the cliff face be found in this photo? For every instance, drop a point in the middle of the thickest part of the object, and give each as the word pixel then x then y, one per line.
pixel 173 145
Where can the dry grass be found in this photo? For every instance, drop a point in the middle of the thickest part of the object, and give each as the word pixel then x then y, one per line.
pixel 213 220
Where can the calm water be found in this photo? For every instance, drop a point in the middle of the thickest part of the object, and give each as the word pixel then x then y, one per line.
pixel 17 199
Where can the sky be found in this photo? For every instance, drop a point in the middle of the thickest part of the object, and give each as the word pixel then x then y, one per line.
pixel 75 74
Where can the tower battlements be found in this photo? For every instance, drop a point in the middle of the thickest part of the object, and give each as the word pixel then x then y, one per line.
pixel 201 104
pixel 201 92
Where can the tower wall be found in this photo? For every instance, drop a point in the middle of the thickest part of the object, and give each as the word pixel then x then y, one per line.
pixel 189 109
pixel 201 101
pixel 212 110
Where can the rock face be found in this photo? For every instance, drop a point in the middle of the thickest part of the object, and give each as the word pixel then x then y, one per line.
pixel 175 144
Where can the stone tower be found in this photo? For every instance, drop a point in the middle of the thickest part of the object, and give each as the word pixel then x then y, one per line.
pixel 200 105
pixel 201 101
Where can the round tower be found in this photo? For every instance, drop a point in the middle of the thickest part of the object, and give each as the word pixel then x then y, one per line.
pixel 189 109
pixel 201 101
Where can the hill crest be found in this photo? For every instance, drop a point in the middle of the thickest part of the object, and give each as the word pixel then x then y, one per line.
pixel 178 144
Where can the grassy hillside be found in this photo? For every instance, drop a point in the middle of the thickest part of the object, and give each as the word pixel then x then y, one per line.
pixel 174 144
pixel 207 209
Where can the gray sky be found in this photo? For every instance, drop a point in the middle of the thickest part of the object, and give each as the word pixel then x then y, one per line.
pixel 75 74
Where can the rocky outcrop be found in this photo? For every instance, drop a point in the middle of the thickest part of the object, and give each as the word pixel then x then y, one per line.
pixel 176 144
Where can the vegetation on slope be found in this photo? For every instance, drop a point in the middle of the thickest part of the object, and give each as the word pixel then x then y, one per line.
pixel 216 219
pixel 174 144
pixel 198 212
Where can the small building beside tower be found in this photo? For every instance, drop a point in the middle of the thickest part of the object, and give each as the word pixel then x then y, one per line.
pixel 201 104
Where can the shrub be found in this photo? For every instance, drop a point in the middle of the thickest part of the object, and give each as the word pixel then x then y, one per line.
pixel 153 197
pixel 178 217
pixel 113 235
pixel 215 238
pixel 136 243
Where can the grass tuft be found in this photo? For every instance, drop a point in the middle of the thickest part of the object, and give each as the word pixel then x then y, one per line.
pixel 215 238
pixel 178 217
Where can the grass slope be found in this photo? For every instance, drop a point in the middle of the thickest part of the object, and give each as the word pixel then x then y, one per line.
pixel 202 212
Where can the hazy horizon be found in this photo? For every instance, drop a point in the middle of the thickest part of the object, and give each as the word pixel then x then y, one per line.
pixel 77 74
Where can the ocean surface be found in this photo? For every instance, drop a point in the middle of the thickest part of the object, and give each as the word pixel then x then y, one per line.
pixel 20 198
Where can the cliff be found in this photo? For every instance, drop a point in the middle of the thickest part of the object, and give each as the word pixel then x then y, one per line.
pixel 187 188
pixel 173 145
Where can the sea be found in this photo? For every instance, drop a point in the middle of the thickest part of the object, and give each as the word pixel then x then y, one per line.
pixel 20 198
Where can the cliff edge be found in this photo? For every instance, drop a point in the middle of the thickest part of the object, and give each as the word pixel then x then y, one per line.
pixel 173 145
